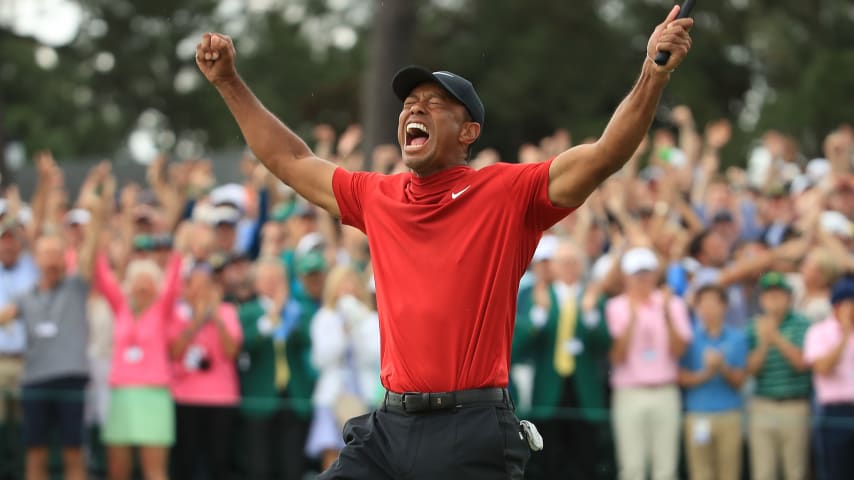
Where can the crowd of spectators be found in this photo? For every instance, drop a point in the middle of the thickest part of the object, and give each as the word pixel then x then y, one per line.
pixel 181 327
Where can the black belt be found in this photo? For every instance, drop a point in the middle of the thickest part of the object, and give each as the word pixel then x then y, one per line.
pixel 417 402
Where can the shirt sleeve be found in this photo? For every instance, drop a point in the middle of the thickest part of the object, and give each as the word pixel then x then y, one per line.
pixel 679 316
pixel 106 283
pixel 813 344
pixel 616 317
pixel 800 331
pixel 529 183
pixel 232 323
pixel 738 354
pixel 350 190
pixel 751 335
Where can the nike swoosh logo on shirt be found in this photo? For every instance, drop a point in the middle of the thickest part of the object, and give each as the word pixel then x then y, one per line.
pixel 454 195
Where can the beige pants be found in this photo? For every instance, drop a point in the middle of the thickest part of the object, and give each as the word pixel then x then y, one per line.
pixel 646 430
pixel 713 445
pixel 10 376
pixel 779 435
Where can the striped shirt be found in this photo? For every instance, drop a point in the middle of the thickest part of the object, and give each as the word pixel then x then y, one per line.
pixel 777 378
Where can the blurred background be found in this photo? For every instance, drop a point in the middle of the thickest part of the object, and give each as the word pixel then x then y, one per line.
pixel 116 78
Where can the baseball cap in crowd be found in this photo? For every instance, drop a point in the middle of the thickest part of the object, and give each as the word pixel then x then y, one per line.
pixel 835 223
pixel 800 184
pixel 461 89
pixel 77 216
pixel 546 249
pixel 225 215
pixel 311 262
pixel 774 281
pixel 639 259
pixel 230 194
pixel 817 169
pixel 842 290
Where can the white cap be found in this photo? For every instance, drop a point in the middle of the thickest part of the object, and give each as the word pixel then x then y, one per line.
pixel 224 214
pixel 637 260
pixel 800 184
pixel 835 223
pixel 77 216
pixel 229 194
pixel 817 169
pixel 4 206
pixel 546 249
pixel 601 267
pixel 309 242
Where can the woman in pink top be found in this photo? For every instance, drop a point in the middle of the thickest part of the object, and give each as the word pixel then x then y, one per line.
pixel 205 340
pixel 829 350
pixel 141 412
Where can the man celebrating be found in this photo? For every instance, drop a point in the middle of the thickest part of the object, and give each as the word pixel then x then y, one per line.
pixel 449 245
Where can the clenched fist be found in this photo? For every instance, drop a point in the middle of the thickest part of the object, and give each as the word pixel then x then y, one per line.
pixel 215 57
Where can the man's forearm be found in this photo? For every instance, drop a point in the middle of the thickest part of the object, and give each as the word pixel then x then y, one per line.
pixel 266 135
pixel 633 117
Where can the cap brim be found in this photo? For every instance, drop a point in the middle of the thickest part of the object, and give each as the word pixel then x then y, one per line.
pixel 410 77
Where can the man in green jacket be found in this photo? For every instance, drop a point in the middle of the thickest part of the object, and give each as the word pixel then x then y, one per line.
pixel 261 367
pixel 568 350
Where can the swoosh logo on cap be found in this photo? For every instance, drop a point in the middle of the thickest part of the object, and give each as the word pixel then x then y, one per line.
pixel 454 195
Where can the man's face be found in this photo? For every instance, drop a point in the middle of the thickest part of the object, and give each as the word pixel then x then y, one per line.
pixel 641 283
pixel 10 248
pixel 50 258
pixel 715 249
pixel 775 301
pixel 236 278
pixel 270 281
pixel 430 107
pixel 225 234
pixel 313 283
pixel 710 308
pixel 567 265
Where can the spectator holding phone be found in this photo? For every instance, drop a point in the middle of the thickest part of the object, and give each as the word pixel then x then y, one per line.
pixel 205 338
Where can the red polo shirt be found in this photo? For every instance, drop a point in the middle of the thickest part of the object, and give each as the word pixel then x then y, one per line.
pixel 448 252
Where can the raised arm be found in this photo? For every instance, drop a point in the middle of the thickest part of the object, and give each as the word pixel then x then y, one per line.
pixel 579 170
pixel 278 148
pixel 101 206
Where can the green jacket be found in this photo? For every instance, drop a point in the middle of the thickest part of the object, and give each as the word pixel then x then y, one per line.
pixel 256 365
pixel 298 351
pixel 536 345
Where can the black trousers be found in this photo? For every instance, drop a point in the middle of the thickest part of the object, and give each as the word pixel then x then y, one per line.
pixel 468 443
pixel 836 438
pixel 203 441
pixel 290 432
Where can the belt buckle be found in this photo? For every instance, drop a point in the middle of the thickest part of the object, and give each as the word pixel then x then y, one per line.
pixel 414 402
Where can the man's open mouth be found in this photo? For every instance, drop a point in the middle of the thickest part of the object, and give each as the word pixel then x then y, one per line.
pixel 416 135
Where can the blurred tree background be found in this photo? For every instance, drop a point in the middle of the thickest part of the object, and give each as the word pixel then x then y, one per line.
pixel 117 78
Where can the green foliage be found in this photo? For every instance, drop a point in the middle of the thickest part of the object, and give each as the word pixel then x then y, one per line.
pixel 539 65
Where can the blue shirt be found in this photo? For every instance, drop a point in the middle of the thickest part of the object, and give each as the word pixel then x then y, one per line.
pixel 15 282
pixel 716 395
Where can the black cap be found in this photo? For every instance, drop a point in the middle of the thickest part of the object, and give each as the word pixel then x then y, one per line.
pixel 461 89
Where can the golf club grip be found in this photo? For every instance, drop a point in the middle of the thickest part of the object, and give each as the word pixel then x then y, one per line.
pixel 663 57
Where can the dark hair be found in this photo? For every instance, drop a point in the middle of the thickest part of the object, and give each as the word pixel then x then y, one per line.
pixel 713 288
pixel 696 245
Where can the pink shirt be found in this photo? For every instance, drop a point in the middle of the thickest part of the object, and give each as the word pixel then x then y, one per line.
pixel 838 386
pixel 648 360
pixel 204 375
pixel 140 345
